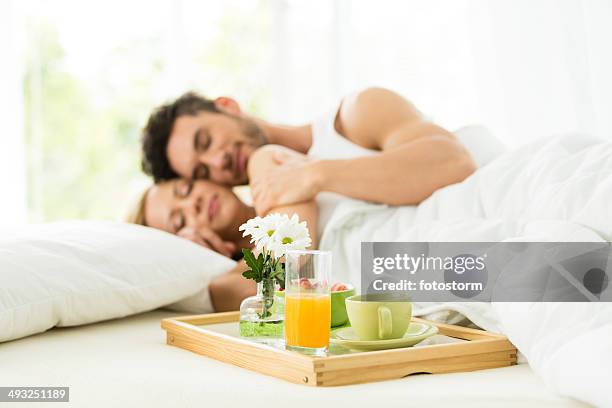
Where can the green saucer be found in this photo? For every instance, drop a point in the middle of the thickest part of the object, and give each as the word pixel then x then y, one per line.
pixel 416 333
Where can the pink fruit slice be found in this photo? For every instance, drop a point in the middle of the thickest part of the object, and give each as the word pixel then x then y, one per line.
pixel 305 283
pixel 338 287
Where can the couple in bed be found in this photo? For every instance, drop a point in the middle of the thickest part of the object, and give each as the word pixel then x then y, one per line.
pixel 374 146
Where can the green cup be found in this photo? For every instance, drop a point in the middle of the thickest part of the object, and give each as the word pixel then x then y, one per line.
pixel 338 306
pixel 379 316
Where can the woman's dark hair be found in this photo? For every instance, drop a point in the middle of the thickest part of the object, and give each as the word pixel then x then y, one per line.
pixel 156 132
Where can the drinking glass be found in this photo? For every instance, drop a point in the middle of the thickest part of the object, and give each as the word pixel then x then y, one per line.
pixel 307 301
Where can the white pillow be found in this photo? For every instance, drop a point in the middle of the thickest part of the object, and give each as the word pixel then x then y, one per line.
pixel 78 272
pixel 481 143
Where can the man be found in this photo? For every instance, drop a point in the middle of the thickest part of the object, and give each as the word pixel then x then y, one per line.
pixel 380 148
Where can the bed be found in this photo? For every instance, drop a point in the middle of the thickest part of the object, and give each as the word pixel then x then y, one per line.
pixel 557 189
pixel 125 362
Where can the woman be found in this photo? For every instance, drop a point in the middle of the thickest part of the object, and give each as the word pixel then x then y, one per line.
pixel 199 210
pixel 209 214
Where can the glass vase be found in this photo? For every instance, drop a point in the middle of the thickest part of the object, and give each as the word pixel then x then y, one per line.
pixel 262 315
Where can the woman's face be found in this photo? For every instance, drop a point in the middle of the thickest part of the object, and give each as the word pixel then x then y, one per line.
pixel 176 204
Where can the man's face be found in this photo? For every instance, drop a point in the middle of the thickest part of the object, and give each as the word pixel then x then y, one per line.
pixel 213 146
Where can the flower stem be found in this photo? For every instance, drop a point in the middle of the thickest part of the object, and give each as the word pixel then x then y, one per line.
pixel 267 291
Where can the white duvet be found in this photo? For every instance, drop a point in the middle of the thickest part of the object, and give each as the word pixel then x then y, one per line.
pixel 558 189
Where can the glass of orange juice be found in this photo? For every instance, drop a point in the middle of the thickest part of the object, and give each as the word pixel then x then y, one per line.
pixel 307 301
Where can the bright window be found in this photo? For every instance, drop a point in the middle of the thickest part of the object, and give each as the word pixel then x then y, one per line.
pixel 82 77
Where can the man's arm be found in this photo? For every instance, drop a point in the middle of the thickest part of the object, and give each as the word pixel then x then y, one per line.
pixel 416 158
pixel 262 162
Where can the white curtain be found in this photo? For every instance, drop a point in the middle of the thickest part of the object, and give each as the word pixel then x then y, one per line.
pixel 525 68
pixel 543 66
pixel 12 164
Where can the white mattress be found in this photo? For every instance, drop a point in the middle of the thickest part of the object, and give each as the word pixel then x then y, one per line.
pixel 127 363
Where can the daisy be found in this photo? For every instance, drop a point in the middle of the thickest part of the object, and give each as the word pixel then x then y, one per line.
pixel 268 226
pixel 290 235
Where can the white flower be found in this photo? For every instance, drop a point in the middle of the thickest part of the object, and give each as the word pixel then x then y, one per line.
pixel 262 229
pixel 269 224
pixel 277 233
pixel 254 228
pixel 251 227
pixel 290 235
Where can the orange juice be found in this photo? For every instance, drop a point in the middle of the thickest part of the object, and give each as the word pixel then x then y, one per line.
pixel 307 319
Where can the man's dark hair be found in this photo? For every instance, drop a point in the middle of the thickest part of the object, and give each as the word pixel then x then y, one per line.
pixel 156 133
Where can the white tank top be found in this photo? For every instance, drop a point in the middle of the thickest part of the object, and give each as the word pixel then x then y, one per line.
pixel 328 144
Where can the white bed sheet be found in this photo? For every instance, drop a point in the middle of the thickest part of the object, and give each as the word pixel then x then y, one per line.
pixel 557 189
pixel 127 363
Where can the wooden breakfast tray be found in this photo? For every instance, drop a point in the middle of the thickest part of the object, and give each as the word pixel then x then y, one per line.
pixel 453 349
